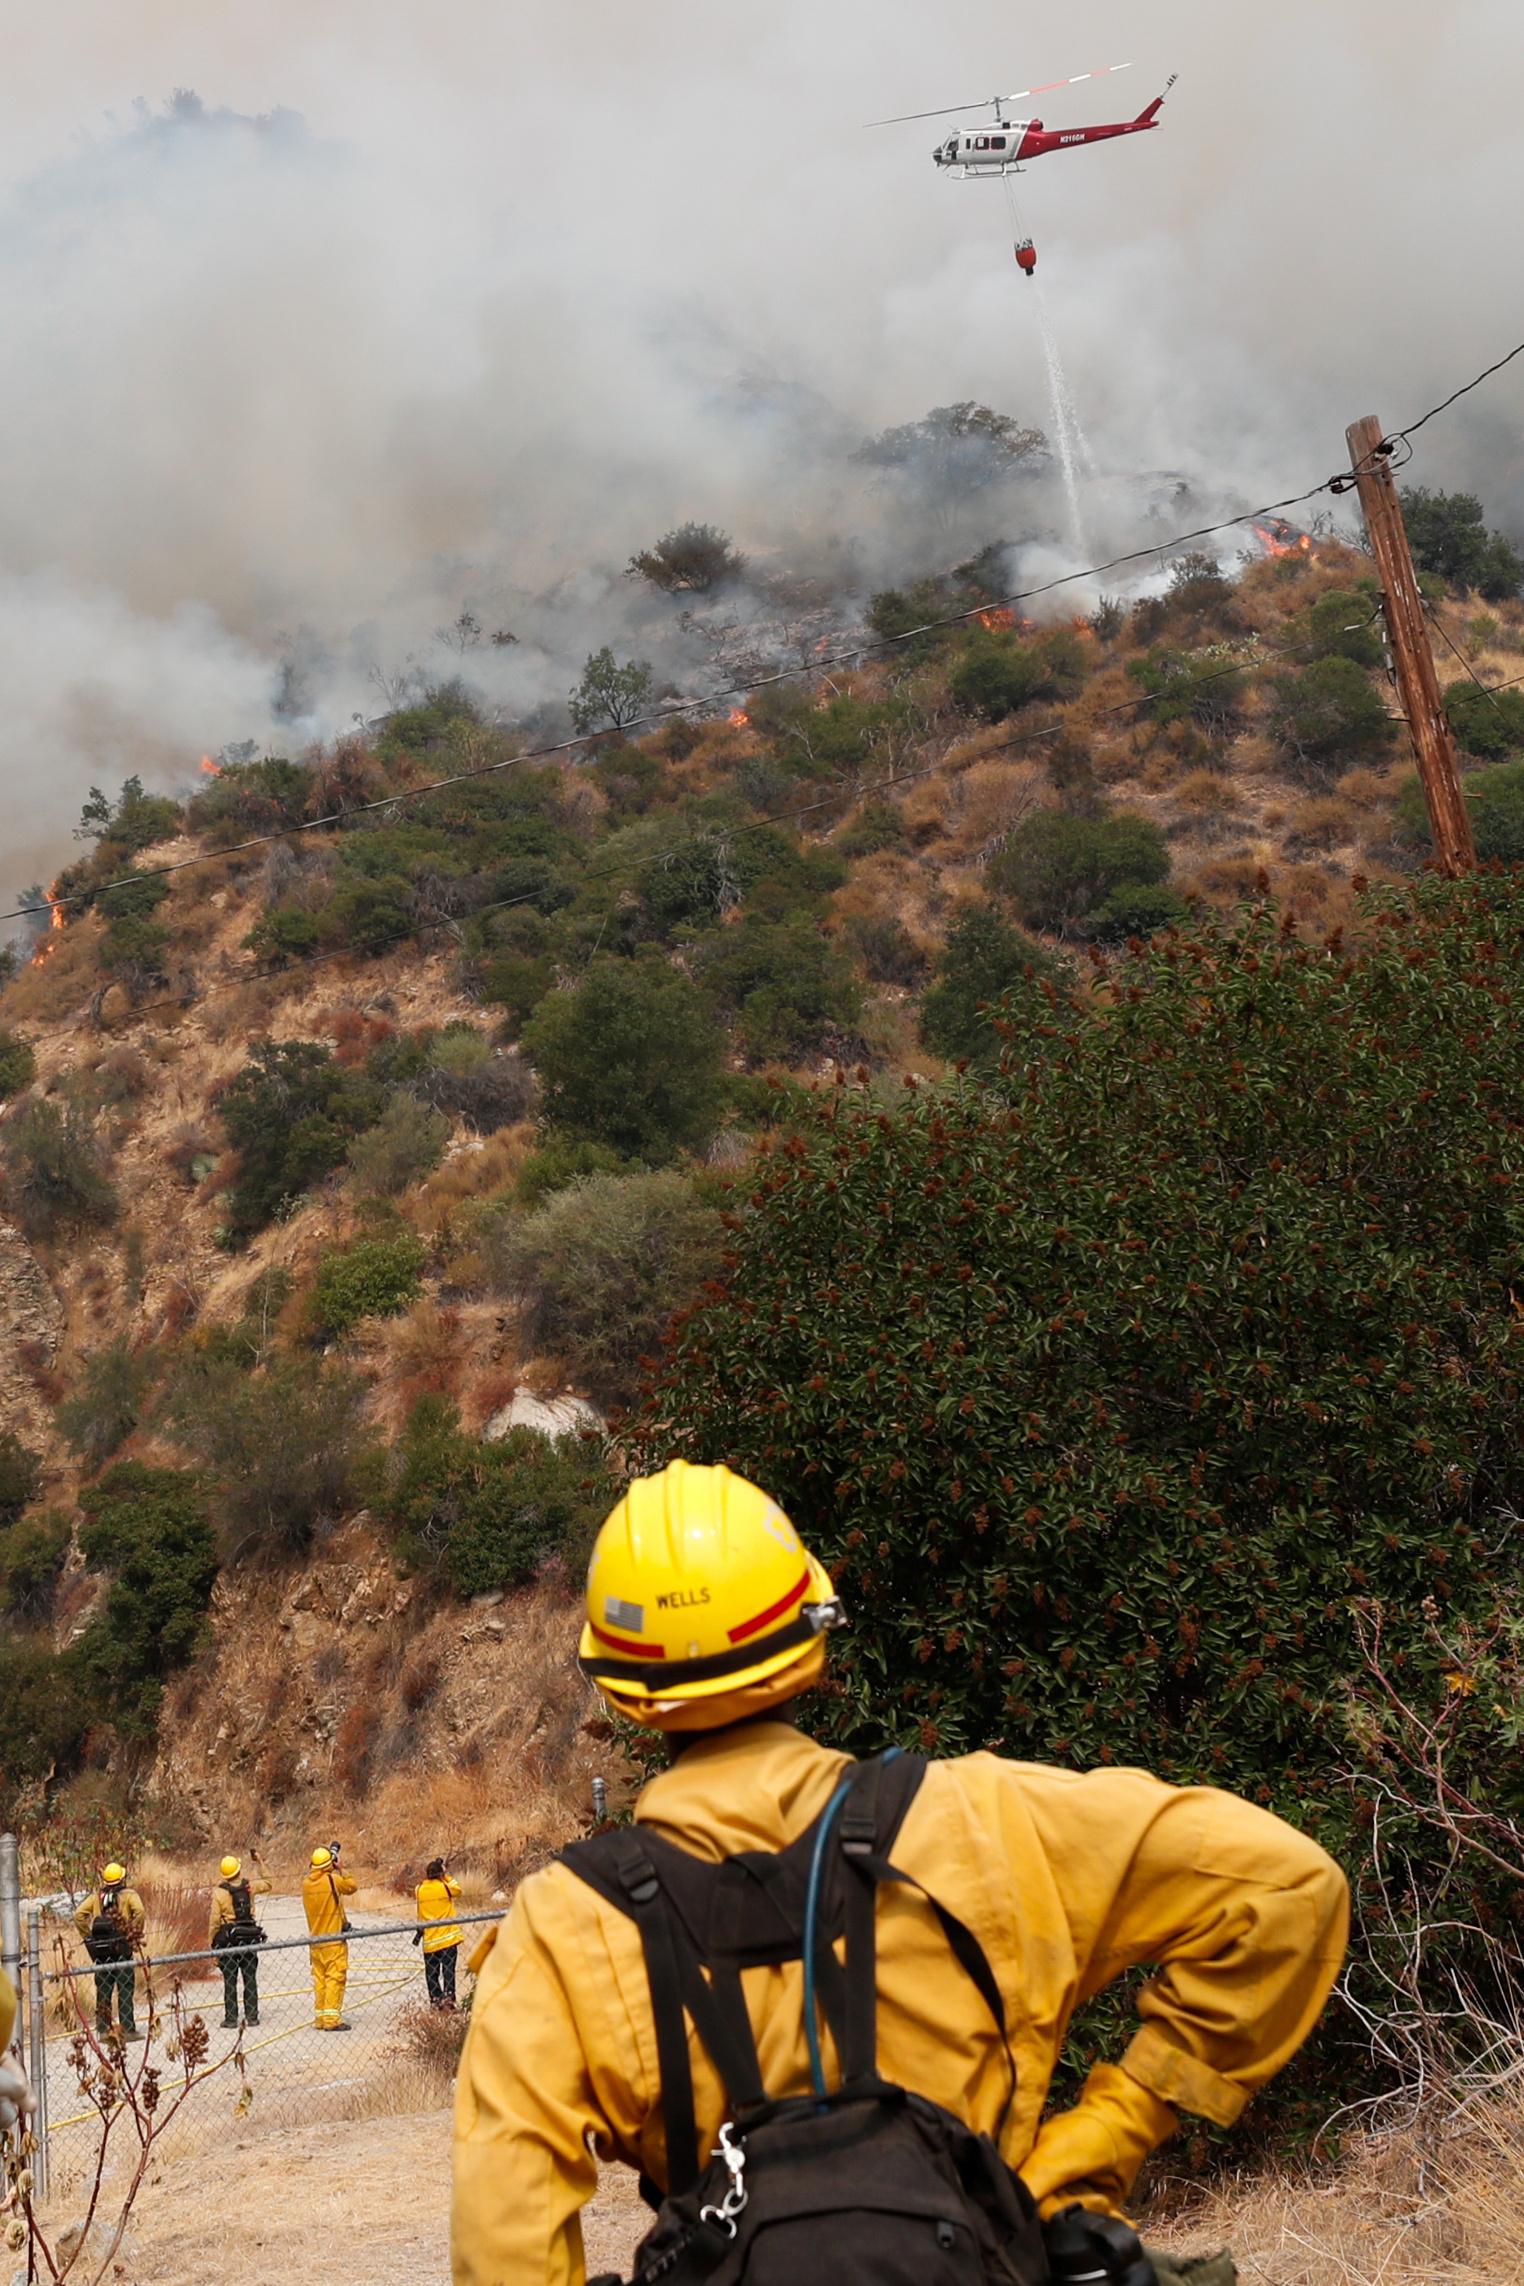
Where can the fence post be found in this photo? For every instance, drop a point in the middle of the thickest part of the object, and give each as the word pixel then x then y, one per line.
pixel 10 1910
pixel 37 2042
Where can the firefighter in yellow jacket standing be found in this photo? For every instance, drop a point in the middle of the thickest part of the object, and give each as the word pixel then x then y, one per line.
pixel 322 1893
pixel 705 1618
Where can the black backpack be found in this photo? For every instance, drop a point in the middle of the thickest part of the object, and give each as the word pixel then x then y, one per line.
pixel 109 1940
pixel 866 2182
pixel 243 1929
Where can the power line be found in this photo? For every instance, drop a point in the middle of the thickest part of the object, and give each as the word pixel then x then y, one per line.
pixel 1334 484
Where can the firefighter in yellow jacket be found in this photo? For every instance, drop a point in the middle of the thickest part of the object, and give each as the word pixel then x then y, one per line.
pixel 706 1617
pixel 323 1890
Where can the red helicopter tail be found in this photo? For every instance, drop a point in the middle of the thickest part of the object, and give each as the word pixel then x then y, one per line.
pixel 1147 118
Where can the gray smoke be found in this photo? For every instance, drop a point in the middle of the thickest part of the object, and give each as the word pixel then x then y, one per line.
pixel 453 309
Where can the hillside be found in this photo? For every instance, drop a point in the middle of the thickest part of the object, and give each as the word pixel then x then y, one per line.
pixel 322 1156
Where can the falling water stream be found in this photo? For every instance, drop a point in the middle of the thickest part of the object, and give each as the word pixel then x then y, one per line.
pixel 1074 454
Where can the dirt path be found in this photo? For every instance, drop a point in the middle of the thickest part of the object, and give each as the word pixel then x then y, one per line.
pixel 368 2201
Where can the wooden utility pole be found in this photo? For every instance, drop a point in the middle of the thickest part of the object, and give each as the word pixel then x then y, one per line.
pixel 1412 652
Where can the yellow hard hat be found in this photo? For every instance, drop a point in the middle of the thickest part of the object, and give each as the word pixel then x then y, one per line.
pixel 322 1857
pixel 113 1872
pixel 703 1604
pixel 230 1868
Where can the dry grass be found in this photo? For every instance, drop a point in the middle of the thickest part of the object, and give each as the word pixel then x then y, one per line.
pixel 472 1172
pixel 1323 821
pixel 1208 794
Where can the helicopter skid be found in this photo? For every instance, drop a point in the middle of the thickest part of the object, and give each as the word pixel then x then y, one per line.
pixel 982 174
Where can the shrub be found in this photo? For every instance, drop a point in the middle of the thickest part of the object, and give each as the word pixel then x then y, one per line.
pixel 1488 723
pixel 20 1476
pixel 990 979
pixel 286 1444
pixel 886 948
pixel 559 1161
pixel 1495 799
pixel 631 1057
pixel 374 1278
pixel 55 1168
pixel 599 1269
pixel 32 1552
pixel 1329 717
pixel 406 1144
pixel 839 739
pixel 611 693
pixel 133 822
pixel 1345 624
pixel 997 673
pixel 785 983
pixel 466 1078
pixel 692 560
pixel 1449 535
pixel 1191 690
pixel 107 1404
pixel 250 797
pixel 18 1065
pixel 489 1514
pixel 291 1114
pixel 877 825
pixel 284 934
pixel 148 1528
pixel 1056 868
pixel 44 1712
pixel 369 916
pixel 1135 909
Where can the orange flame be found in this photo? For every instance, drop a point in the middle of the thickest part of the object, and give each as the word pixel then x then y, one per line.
pixel 1284 540
pixel 1001 616
pixel 739 719
pixel 57 921
pixel 209 768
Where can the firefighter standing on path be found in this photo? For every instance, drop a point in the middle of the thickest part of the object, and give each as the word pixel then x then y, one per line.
pixel 322 1891
pixel 436 1896
pixel 233 1926
pixel 111 1923
pixel 706 1618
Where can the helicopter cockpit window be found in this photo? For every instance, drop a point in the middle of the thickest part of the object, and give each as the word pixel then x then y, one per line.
pixel 997 142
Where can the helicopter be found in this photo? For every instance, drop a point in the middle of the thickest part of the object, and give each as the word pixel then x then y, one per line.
pixel 1003 147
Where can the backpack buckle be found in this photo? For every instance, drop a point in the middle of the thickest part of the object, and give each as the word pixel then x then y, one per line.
pixel 638 1881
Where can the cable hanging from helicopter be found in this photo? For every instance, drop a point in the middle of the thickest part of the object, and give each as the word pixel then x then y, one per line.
pixel 1006 145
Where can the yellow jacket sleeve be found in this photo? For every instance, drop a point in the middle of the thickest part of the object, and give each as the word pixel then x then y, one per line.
pixel 7 2011
pixel 1244 1921
pixel 524 2112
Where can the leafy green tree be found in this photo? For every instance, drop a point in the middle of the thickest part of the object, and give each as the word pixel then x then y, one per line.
pixel 694 559
pixel 1488 723
pixel 489 1515
pixel 291 1115
pixel 32 1552
pixel 953 455
pixel 611 692
pixel 287 1445
pixel 1495 799
pixel 18 1065
pixel 107 1403
pixel 1135 909
pixel 1057 867
pixel 1449 535
pixel 1345 624
pixel 632 1056
pixel 998 672
pixel 132 822
pixel 284 934
pixel 373 1278
pixel 55 1167
pixel 991 983
pixel 786 984
pixel 134 946
pixel 369 916
pixel 1113 1389
pixel 148 1528
pixel 1328 717
pixel 600 1267
pixel 20 1476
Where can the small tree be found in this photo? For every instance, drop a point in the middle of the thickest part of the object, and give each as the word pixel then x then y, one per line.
pixel 55 1167
pixel 107 1405
pixel 489 1515
pixel 291 1114
pixel 633 1057
pixel 18 1065
pixel 786 984
pixel 610 692
pixel 20 1476
pixel 32 1552
pixel 286 1444
pixel 1328 718
pixel 133 822
pixel 990 980
pixel 953 455
pixel 1488 723
pixel 600 1267
pixel 693 559
pixel 998 672
pixel 406 1144
pixel 1495 799
pixel 148 1528
pixel 1449 535
pixel 1056 868
pixel 1345 624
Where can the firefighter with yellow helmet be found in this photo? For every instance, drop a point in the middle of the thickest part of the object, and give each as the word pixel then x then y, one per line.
pixel 323 1894
pixel 1011 1893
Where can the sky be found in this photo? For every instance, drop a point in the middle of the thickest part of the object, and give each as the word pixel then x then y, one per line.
pixel 494 295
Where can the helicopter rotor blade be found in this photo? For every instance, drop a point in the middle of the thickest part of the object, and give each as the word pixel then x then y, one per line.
pixel 996 102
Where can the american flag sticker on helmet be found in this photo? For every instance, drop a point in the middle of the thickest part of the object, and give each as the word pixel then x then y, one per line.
pixel 630 1616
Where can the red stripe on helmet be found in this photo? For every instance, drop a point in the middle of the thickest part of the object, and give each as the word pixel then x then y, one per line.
pixel 796 1594
pixel 628 1644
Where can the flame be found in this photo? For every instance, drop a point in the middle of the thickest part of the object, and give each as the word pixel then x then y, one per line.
pixel 1283 539
pixel 739 719
pixel 209 768
pixel 57 921
pixel 1001 616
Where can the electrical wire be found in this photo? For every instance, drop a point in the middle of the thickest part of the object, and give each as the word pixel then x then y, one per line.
pixel 856 651
pixel 1489 690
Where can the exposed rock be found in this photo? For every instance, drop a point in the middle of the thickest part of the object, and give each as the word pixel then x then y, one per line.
pixel 553 1417
pixel 31 1320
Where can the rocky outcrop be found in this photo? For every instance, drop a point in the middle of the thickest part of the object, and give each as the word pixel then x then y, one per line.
pixel 31 1332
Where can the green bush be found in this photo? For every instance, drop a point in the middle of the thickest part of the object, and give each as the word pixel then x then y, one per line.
pixel 107 1404
pixel 786 984
pixel 463 1076
pixel 611 693
pixel 284 934
pixel 133 822
pixel 692 560
pixel 373 1278
pixel 250 797
pixel 1329 717
pixel 32 1552
pixel 18 1065
pixel 369 916
pixel 55 1168
pixel 1135 909
pixel 558 1162
pixel 291 1114
pixel 1109 1390
pixel 997 673
pixel 1449 536
pixel 1206 692
pixel 44 1712
pixel 406 1144
pixel 1056 867
pixel 1345 624
pixel 490 1515
pixel 876 826
pixel 599 1269
pixel 1488 723
pixel 1495 799
pixel 886 948
pixel 992 984
pixel 20 1476
pixel 286 1445
pixel 147 1528
pixel 631 1056
pixel 836 740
